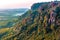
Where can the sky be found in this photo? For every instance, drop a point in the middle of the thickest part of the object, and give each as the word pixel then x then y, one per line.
pixel 10 4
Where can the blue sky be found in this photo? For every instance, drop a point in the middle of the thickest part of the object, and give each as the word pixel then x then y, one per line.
pixel 6 4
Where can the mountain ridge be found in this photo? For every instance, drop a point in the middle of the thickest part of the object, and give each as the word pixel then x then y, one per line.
pixel 38 24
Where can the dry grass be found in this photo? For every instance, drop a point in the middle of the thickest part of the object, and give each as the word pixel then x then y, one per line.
pixel 3 30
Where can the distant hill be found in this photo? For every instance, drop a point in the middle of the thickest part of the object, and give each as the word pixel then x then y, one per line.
pixel 41 22
pixel 12 12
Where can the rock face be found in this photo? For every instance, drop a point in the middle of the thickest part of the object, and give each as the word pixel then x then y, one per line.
pixel 42 23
